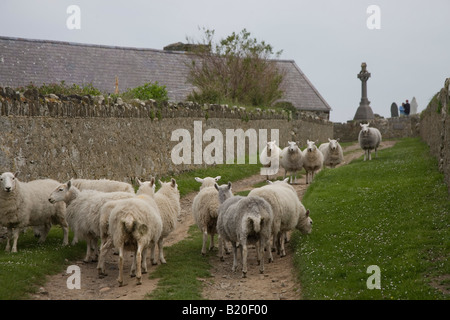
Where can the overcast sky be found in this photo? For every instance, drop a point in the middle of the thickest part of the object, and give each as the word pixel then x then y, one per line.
pixel 408 56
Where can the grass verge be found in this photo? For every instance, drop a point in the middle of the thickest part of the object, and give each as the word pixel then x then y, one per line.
pixel 21 273
pixel 392 212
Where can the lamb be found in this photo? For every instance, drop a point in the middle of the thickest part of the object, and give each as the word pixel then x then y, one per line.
pixel 204 210
pixel 312 160
pixel 24 204
pixel 243 220
pixel 288 211
pixel 168 201
pixel 369 139
pixel 103 185
pixel 291 159
pixel 135 224
pixel 83 215
pixel 332 153
pixel 270 158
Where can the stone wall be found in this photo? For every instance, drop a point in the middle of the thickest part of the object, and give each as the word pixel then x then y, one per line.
pixel 435 129
pixel 95 137
pixel 390 128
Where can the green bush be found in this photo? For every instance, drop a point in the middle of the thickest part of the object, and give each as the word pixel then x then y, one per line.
pixel 147 91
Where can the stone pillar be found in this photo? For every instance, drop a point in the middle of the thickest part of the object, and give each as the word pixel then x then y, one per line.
pixel 364 111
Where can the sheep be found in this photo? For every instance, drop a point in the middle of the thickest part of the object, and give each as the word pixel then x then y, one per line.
pixel 312 160
pixel 204 210
pixel 291 159
pixel 369 139
pixel 106 241
pixel 103 185
pixel 82 208
pixel 168 201
pixel 24 204
pixel 288 211
pixel 243 220
pixel 270 158
pixel 135 224
pixel 332 153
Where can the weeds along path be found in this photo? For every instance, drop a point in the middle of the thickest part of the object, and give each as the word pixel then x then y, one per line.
pixel 277 282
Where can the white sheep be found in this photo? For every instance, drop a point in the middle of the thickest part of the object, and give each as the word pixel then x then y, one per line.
pixel 24 204
pixel 135 224
pixel 104 185
pixel 332 153
pixel 270 158
pixel 288 212
pixel 204 210
pixel 312 160
pixel 369 139
pixel 243 221
pixel 83 212
pixel 106 240
pixel 291 159
pixel 168 201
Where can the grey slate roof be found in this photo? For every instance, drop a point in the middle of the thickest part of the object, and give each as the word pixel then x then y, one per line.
pixel 42 61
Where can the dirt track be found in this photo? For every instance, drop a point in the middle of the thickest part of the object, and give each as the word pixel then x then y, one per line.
pixel 277 282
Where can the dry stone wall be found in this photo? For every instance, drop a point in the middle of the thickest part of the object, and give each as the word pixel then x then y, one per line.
pixel 95 137
pixel 435 129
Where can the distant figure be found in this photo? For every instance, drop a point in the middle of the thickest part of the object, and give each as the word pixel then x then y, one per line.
pixel 402 109
pixel 407 107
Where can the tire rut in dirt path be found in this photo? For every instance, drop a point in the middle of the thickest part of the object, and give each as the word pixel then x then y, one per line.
pixel 277 282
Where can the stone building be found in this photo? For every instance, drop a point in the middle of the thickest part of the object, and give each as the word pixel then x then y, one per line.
pixel 42 61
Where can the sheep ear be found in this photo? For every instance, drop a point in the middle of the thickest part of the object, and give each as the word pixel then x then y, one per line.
pixel 217 178
pixel 338 139
pixel 229 185
pixel 269 182
pixel 152 181
pixel 16 174
pixel 69 184
pixel 329 140
pixel 160 182
pixel 216 186
pixel 174 182
pixel 361 125
pixel 286 180
pixel 198 179
pixel 139 181
pixel 307 213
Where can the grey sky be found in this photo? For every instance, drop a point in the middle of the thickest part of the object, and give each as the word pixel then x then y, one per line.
pixel 409 56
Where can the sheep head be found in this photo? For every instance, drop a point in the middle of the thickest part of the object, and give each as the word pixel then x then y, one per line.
pixel 60 193
pixel 8 181
pixel 311 146
pixel 365 128
pixel 224 191
pixel 333 144
pixel 292 146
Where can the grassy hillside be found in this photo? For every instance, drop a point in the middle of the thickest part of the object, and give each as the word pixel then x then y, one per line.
pixel 392 212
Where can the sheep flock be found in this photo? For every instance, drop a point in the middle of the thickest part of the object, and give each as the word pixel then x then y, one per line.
pixel 109 214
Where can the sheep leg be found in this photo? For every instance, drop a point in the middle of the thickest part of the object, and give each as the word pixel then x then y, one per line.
pixel 244 253
pixel 144 260
pixel 267 245
pixel 233 268
pixel 260 247
pixel 14 233
pixel 221 247
pixel 138 264
pixel 280 241
pixel 87 258
pixel 211 243
pixel 152 254
pixel 160 248
pixel 120 279
pixel 205 239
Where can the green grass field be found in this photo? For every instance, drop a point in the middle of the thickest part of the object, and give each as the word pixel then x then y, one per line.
pixel 392 212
